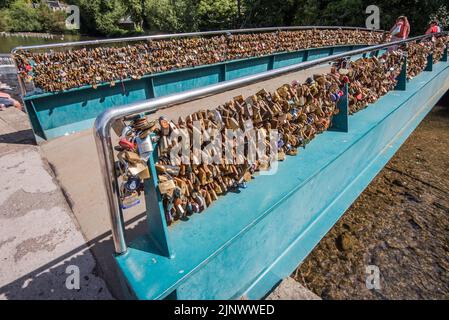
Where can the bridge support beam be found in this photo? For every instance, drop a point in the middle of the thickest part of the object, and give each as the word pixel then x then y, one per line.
pixel 340 122
pixel 444 58
pixel 429 63
pixel 402 78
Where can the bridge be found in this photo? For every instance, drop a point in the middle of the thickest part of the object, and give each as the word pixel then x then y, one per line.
pixel 231 251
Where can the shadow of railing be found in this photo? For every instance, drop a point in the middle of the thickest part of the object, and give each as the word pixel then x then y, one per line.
pixel 24 137
pixel 48 281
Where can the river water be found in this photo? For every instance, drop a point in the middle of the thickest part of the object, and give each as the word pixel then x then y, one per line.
pixel 7 43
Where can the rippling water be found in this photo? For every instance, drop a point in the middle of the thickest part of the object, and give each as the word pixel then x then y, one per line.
pixel 7 43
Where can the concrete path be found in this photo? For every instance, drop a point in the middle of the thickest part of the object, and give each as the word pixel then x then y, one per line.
pixel 39 239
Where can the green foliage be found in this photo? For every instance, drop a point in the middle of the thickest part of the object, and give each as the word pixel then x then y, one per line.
pixel 23 17
pixel 352 12
pixel 171 15
pixel 161 15
pixel 268 13
pixel 5 21
pixel 5 3
pixel 20 16
pixel 50 21
pixel 101 17
pixel 136 10
pixel 217 14
pixel 441 16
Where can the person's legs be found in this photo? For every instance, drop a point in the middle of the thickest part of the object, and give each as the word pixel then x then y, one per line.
pixel 10 102
pixel 6 102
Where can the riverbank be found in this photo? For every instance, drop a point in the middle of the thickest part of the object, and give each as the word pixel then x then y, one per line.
pixel 400 224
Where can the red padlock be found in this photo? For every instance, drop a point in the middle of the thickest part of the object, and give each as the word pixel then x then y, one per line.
pixel 345 79
pixel 126 144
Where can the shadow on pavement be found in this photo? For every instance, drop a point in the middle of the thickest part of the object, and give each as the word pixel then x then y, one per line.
pixel 18 137
pixel 48 281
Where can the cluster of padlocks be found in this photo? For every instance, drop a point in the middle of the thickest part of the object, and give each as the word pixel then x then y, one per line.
pixel 61 70
pixel 297 111
pixel 417 54
pixel 371 78
pixel 439 47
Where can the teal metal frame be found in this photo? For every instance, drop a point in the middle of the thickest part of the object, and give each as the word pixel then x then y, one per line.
pixel 232 251
pixel 229 252
pixel 57 114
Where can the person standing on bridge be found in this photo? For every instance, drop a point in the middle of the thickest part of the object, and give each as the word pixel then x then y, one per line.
pixel 401 29
pixel 433 28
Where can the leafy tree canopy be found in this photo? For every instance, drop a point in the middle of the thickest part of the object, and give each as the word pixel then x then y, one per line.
pixel 103 17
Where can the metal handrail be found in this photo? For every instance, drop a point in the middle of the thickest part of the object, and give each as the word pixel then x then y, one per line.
pixel 104 121
pixel 6 60
pixel 182 35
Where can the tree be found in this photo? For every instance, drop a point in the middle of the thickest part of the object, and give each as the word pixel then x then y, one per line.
pixel 136 10
pixel 23 17
pixel 268 13
pixel 50 21
pixel 102 16
pixel 160 15
pixel 5 22
pixel 217 14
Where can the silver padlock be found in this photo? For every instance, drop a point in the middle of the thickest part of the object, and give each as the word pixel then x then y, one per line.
pixel 145 147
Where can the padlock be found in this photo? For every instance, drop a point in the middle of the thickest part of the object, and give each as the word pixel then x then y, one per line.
pixel 201 202
pixel 177 203
pixel 96 65
pixel 132 184
pixel 165 126
pixel 166 187
pixel 126 144
pixel 130 201
pixel 145 147
pixel 138 169
pixel 118 126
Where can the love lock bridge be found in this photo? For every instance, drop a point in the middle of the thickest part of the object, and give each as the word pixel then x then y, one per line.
pixel 229 231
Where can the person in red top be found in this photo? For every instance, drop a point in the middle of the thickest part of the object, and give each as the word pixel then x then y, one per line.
pixel 434 28
pixel 401 29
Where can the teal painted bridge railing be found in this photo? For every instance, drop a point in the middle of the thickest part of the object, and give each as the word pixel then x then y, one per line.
pixel 230 250
pixel 57 114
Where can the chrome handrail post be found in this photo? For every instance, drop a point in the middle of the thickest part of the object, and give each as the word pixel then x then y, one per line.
pixel 105 149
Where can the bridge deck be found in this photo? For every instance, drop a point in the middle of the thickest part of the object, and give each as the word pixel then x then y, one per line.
pixel 238 252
